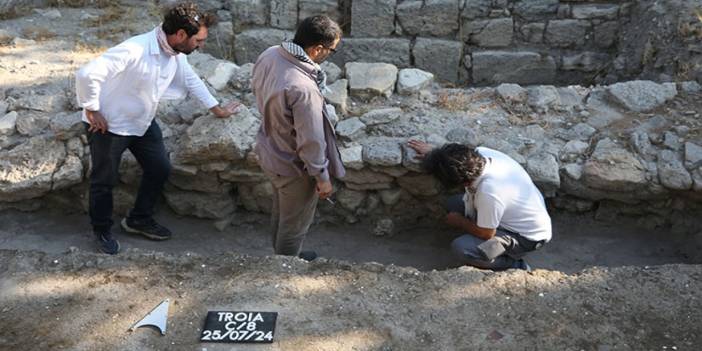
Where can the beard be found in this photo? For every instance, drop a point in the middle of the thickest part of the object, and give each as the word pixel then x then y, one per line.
pixel 184 49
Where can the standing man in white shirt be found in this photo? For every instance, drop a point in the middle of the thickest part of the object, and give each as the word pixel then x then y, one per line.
pixel 119 93
pixel 502 214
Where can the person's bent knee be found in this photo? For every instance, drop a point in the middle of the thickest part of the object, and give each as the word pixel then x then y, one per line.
pixel 464 249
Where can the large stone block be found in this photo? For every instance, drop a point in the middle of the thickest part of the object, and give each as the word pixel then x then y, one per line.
pixel 372 18
pixel 476 9
pixel 382 152
pixel 251 43
pixel 567 32
pixel 66 125
pixel 411 81
pixel 395 51
pixel 248 13
pixel 27 170
pixel 309 8
pixel 352 157
pixel 488 33
pixel 543 170
pixel 585 61
pixel 642 95
pixel 592 11
pixel 441 57
pixel 212 139
pixel 672 172
pixel 381 116
pixel 203 205
pixel 8 123
pixel 420 185
pixel 606 33
pixel 338 94
pixel 613 168
pixel 428 17
pixel 533 9
pixel 283 14
pixel 494 67
pixel 70 173
pixel 371 79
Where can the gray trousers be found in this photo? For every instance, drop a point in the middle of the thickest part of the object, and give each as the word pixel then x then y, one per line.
pixel 509 247
pixel 294 202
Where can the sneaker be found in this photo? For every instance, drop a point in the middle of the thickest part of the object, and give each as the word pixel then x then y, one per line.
pixel 307 255
pixel 146 227
pixel 107 243
pixel 521 264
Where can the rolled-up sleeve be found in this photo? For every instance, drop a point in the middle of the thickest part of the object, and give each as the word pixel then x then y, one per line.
pixel 309 130
pixel 197 87
pixel 90 78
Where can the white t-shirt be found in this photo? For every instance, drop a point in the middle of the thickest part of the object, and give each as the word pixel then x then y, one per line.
pixel 506 197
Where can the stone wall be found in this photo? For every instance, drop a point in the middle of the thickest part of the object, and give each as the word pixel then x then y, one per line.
pixel 476 42
pixel 460 41
pixel 631 148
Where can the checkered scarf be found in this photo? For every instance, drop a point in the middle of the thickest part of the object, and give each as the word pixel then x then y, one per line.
pixel 300 54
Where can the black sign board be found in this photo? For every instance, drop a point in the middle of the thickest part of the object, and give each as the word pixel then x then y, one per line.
pixel 239 327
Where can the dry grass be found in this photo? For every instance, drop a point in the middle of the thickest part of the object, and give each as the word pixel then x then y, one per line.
pixel 453 101
pixel 38 33
pixel 82 47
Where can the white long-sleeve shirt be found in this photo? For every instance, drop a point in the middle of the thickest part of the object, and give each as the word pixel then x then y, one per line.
pixel 127 81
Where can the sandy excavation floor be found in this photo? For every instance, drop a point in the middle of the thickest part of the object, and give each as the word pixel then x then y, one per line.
pixel 57 293
pixel 596 286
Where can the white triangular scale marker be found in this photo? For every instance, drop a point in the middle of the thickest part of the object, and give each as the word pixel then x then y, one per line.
pixel 156 318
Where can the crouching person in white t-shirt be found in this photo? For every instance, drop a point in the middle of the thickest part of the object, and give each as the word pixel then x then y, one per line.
pixel 502 211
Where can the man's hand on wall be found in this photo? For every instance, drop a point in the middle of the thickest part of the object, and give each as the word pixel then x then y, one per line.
pixel 226 110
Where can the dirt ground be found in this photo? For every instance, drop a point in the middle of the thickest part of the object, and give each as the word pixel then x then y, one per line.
pixel 57 293
pixel 596 286
pixel 83 301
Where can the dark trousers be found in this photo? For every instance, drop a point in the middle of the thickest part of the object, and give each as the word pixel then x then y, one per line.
pixel 469 249
pixel 106 153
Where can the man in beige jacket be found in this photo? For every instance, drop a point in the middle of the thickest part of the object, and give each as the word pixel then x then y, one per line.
pixel 296 146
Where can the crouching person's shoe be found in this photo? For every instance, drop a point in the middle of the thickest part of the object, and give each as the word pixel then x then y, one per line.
pixel 107 243
pixel 146 227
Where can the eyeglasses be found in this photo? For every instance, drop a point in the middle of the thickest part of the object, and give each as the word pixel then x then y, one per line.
pixel 333 51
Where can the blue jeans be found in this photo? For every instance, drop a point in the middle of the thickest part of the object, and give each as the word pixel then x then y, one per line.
pixel 106 153
pixel 465 247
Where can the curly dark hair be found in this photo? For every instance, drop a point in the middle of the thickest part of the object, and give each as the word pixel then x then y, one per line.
pixel 317 30
pixel 454 164
pixel 188 17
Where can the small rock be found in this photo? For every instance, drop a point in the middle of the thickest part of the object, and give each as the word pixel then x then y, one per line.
pixel 382 152
pixel 693 155
pixel 333 71
pixel 511 93
pixel 642 95
pixel 221 75
pixel 412 80
pixel 351 128
pixel 543 169
pixel 691 87
pixel 573 149
pixel 8 123
pixel 381 116
pixel 352 157
pixel 384 227
pixel 463 136
pixel 671 141
pixel 671 172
